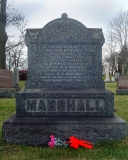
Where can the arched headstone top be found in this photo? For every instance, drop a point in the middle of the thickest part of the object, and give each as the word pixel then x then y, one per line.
pixel 65 30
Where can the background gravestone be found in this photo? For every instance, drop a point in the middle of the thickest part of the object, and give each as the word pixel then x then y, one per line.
pixel 16 79
pixel 107 73
pixel 6 78
pixel 122 85
pixel 6 83
pixel 117 74
pixel 64 93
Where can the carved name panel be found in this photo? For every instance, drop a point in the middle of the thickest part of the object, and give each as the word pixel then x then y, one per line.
pixel 79 102
pixel 64 105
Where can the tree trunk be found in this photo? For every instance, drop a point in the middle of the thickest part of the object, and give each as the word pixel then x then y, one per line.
pixel 3 35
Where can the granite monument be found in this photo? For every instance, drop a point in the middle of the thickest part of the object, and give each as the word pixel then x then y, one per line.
pixel 64 93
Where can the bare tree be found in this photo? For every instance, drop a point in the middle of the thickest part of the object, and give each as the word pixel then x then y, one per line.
pixel 112 59
pixel 110 53
pixel 15 52
pixel 118 25
pixel 7 18
pixel 13 18
pixel 122 59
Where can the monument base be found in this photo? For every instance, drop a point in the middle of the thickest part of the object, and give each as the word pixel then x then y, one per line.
pixel 17 87
pixel 107 80
pixel 122 91
pixel 7 92
pixel 36 130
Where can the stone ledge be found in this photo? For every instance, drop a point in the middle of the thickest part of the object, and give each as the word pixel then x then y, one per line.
pixel 7 92
pixel 36 130
pixel 122 91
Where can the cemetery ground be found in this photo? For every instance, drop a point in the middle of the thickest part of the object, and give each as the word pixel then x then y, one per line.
pixel 108 150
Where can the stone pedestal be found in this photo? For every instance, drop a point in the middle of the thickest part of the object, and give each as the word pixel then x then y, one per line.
pixel 7 92
pixel 122 91
pixel 36 130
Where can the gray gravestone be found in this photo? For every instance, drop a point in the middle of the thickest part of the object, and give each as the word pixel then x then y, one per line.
pixel 64 89
pixel 117 74
pixel 16 79
pixel 65 55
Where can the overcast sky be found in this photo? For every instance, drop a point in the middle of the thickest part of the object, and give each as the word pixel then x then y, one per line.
pixel 92 13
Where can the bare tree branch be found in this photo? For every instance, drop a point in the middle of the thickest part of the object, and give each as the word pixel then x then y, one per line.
pixel 117 37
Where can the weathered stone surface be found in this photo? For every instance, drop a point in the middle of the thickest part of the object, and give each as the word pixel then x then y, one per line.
pixel 122 82
pixel 64 54
pixel 73 102
pixel 36 130
pixel 65 72
pixel 122 85
pixel 6 78
pixel 117 74
pixel 122 91
pixel 7 93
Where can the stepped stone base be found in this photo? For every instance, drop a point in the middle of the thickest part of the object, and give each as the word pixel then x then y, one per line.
pixel 36 130
pixel 17 87
pixel 7 92
pixel 122 91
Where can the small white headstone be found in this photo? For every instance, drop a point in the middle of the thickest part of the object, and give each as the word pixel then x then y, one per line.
pixel 107 74
pixel 112 79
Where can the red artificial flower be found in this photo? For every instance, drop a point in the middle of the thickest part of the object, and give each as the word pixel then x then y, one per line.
pixel 75 143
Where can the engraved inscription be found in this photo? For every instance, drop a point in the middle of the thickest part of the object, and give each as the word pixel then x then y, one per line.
pixel 64 63
pixel 64 54
pixel 64 105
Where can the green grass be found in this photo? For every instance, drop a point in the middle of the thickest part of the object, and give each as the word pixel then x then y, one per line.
pixel 102 151
pixel 111 86
pixel 22 84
